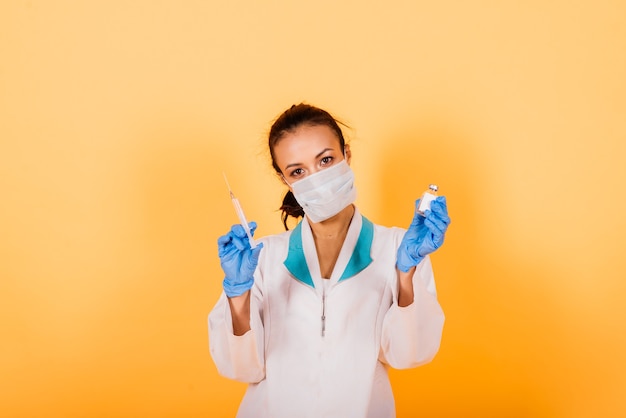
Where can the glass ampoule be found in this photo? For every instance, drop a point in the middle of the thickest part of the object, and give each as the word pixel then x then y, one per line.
pixel 428 196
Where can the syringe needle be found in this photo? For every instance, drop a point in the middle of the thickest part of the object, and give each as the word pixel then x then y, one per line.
pixel 240 214
pixel 232 196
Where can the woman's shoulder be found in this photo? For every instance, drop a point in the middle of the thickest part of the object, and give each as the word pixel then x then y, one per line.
pixel 391 235
pixel 276 240
pixel 388 230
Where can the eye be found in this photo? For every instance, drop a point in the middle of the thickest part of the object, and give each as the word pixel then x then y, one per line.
pixel 326 160
pixel 296 173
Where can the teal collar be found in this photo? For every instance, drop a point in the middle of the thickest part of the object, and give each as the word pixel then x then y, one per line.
pixel 360 259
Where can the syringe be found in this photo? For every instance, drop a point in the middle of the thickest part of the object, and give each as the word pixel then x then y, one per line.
pixel 242 217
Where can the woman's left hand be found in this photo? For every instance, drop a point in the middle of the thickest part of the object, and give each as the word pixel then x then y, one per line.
pixel 425 234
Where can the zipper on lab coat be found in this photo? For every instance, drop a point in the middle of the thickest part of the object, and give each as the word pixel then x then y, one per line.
pixel 323 312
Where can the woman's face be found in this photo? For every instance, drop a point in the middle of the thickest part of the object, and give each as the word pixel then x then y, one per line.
pixel 308 150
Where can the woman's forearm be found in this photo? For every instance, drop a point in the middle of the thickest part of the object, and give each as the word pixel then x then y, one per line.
pixel 405 287
pixel 240 312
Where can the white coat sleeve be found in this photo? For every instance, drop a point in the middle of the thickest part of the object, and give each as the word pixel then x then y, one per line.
pixel 411 335
pixel 238 357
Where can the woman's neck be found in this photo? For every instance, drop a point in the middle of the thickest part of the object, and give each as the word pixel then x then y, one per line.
pixel 335 227
pixel 329 236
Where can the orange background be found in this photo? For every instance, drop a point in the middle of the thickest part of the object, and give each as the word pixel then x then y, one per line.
pixel 117 119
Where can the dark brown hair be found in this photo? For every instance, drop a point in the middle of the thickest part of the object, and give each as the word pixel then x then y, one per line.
pixel 290 120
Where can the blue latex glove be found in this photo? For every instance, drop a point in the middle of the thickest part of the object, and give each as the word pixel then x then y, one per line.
pixel 425 234
pixel 238 260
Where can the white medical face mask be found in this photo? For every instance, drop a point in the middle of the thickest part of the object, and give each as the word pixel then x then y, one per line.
pixel 324 194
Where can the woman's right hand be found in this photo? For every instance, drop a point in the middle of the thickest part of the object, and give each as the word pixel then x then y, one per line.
pixel 238 260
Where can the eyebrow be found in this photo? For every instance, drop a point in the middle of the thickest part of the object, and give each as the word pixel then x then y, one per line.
pixel 316 157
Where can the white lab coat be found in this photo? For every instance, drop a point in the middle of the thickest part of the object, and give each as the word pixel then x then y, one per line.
pixel 300 365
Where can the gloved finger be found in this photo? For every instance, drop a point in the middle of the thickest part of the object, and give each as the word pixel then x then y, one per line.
pixel 253 259
pixel 252 225
pixel 440 208
pixel 436 239
pixel 434 224
pixel 241 243
pixel 230 259
pixel 228 251
pixel 238 231
pixel 437 231
pixel 232 239
pixel 442 200
pixel 224 244
pixel 223 240
pixel 437 217
pixel 241 233
pixel 256 251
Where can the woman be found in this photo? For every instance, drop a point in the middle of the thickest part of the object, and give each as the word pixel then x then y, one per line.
pixel 313 317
